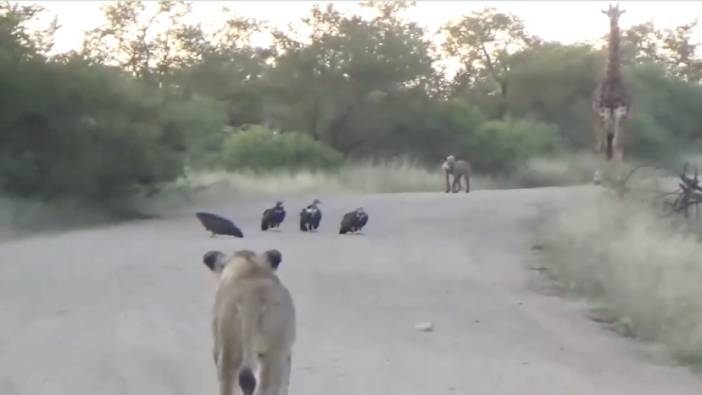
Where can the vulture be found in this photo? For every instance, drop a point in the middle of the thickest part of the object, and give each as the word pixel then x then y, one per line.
pixel 273 217
pixel 218 225
pixel 353 221
pixel 310 217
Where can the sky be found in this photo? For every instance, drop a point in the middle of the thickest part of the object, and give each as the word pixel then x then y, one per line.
pixel 564 21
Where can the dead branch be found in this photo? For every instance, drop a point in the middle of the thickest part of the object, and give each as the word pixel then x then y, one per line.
pixel 687 197
pixel 689 193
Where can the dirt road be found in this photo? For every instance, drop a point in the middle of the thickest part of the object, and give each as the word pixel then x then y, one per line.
pixel 126 309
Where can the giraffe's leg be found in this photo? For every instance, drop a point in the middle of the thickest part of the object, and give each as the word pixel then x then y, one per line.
pixel 609 146
pixel 601 152
pixel 620 115
pixel 618 155
pixel 601 128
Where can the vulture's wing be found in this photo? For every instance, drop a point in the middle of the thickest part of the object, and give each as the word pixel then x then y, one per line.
pixel 218 225
pixel 317 218
pixel 346 223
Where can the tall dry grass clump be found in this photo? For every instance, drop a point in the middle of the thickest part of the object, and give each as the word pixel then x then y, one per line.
pixel 641 272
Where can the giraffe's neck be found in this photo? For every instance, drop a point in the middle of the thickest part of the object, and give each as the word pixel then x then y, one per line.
pixel 613 73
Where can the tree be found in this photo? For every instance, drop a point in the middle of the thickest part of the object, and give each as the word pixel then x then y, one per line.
pixel 99 135
pixel 554 83
pixel 329 84
pixel 641 43
pixel 482 43
pixel 675 48
pixel 149 43
pixel 17 41
pixel 682 58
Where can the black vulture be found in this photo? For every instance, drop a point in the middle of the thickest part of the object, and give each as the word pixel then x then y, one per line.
pixel 310 217
pixel 218 225
pixel 353 221
pixel 273 217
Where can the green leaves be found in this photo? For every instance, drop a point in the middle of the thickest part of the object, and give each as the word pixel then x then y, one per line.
pixel 259 148
pixel 500 146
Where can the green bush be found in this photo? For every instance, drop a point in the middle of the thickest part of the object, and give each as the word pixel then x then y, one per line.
pixel 500 146
pixel 648 139
pixel 451 124
pixel 666 116
pixel 203 122
pixel 100 135
pixel 259 148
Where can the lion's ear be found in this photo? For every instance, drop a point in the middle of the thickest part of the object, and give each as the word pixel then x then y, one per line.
pixel 215 261
pixel 273 257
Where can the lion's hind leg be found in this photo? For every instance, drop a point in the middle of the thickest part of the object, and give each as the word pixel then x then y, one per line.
pixel 228 363
pixel 274 374
pixel 286 375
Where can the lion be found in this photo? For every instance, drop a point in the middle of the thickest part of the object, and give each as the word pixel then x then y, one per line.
pixel 457 168
pixel 253 323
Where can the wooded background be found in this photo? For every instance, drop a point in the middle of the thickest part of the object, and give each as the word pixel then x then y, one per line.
pixel 137 105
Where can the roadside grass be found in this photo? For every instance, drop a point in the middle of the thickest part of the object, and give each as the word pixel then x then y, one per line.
pixel 641 272
pixel 26 216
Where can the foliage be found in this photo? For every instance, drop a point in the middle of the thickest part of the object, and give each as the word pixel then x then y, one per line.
pixel 259 148
pixel 202 121
pixel 452 126
pixel 330 87
pixel 675 48
pixel 150 95
pixel 99 135
pixel 500 146
pixel 666 116
pixel 483 42
pixel 132 38
pixel 73 129
pixel 571 72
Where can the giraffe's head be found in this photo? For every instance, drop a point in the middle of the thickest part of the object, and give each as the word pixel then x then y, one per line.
pixel 613 12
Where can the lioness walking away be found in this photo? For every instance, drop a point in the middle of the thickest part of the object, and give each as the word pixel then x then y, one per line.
pixel 253 323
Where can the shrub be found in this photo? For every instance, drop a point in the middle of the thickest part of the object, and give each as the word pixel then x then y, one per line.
pixel 203 121
pixel 99 135
pixel 500 146
pixel 648 139
pixel 666 116
pixel 259 148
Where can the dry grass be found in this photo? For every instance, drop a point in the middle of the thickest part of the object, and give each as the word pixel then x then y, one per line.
pixel 19 217
pixel 566 169
pixel 392 176
pixel 641 272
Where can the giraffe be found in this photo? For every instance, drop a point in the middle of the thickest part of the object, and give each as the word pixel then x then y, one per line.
pixel 611 102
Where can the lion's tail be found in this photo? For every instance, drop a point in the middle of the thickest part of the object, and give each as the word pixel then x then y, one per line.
pixel 249 312
pixel 247 381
